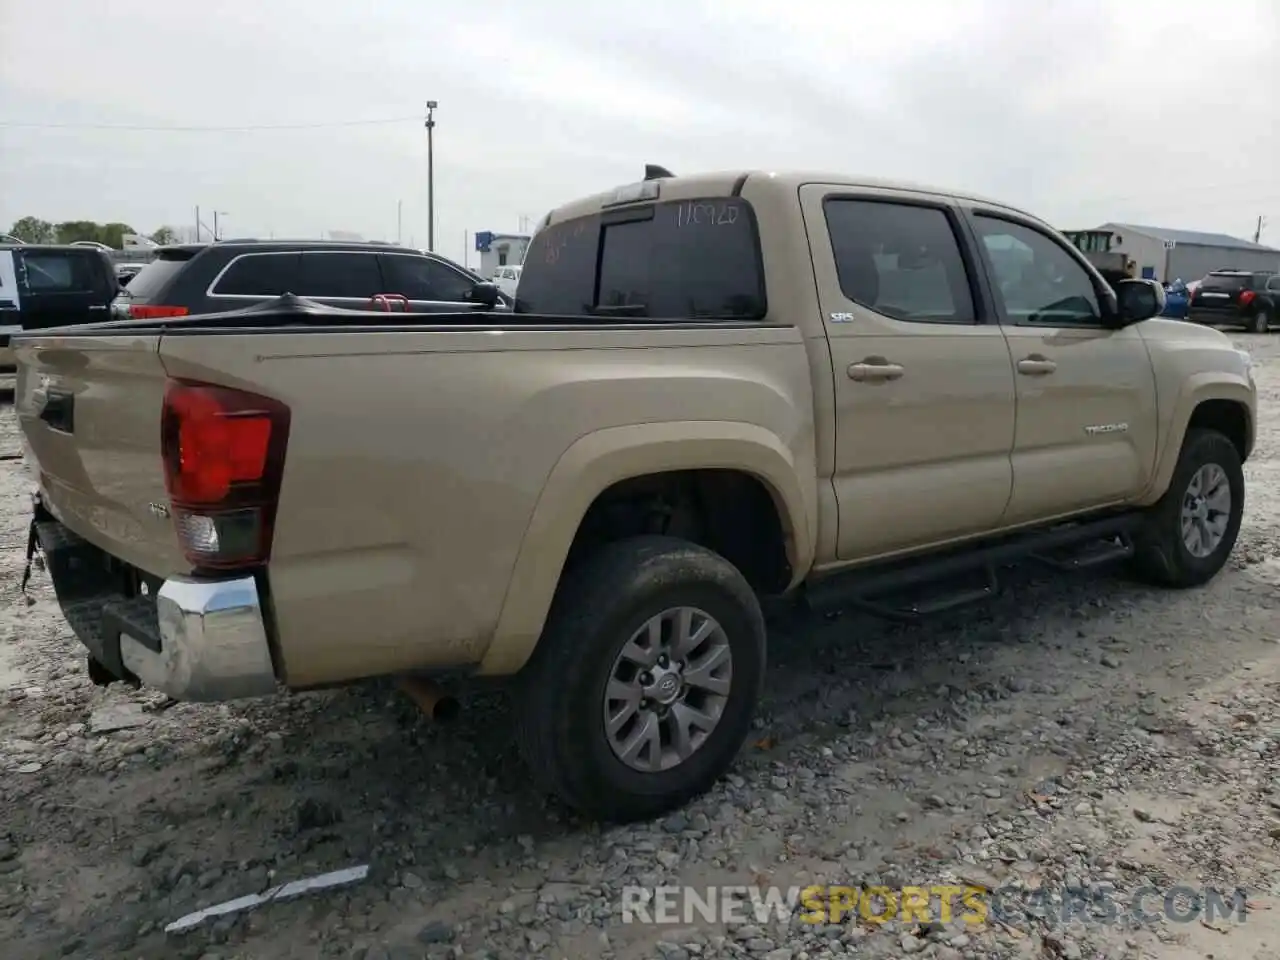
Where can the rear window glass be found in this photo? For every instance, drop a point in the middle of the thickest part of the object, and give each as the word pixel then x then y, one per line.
pixel 157 274
pixel 1220 281
pixel 678 259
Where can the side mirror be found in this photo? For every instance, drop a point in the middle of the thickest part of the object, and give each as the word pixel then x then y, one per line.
pixel 484 293
pixel 1138 300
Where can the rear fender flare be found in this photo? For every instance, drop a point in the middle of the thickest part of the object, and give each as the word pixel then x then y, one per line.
pixel 598 460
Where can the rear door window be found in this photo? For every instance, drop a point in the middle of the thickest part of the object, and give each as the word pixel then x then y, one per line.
pixel 901 260
pixel 675 259
pixel 348 275
pixel 258 275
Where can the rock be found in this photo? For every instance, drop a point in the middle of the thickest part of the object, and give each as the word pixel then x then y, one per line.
pixel 117 716
pixel 32 767
pixel 437 931
pixel 312 814
pixel 411 881
pixel 909 943
pixel 538 939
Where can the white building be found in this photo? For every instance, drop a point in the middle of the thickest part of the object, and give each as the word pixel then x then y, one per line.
pixel 499 250
pixel 1167 255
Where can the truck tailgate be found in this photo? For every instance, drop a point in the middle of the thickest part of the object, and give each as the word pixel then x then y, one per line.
pixel 89 408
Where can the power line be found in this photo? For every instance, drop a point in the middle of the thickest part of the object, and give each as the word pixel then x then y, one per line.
pixel 212 129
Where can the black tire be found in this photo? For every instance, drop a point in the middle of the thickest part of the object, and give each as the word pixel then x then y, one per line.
pixel 1162 557
pixel 560 692
pixel 1261 321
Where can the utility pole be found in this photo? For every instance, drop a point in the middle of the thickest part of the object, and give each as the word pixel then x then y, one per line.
pixel 431 177
pixel 1257 233
pixel 217 233
pixel 399 220
pixel 197 224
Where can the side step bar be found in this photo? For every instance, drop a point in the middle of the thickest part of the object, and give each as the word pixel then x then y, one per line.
pixel 1076 546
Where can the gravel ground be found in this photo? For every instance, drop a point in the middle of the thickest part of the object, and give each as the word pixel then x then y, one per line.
pixel 1081 737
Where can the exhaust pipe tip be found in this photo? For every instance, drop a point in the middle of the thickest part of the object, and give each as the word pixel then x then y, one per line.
pixel 446 708
pixel 438 705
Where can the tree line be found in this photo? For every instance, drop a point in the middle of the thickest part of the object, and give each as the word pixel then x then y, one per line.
pixel 35 230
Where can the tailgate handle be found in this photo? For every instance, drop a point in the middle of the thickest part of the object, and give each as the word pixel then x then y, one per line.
pixel 59 411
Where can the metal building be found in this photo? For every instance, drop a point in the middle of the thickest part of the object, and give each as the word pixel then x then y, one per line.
pixel 1168 255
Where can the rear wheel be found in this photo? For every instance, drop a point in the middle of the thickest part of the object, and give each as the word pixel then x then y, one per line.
pixel 1191 531
pixel 643 686
pixel 1261 321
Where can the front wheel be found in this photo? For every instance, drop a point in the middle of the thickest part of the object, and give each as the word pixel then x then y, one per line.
pixel 1191 531
pixel 642 688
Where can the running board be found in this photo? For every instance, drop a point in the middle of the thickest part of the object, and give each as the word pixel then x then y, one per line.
pixel 1104 541
pixel 1096 555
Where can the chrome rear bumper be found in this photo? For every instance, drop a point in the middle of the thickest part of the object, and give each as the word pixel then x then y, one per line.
pixel 193 639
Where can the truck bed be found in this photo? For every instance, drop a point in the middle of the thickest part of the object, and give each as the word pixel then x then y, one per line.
pixel 420 450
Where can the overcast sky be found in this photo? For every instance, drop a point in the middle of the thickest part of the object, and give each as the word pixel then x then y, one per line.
pixel 1081 111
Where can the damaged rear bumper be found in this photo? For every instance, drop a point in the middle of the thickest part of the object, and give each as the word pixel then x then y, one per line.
pixel 193 639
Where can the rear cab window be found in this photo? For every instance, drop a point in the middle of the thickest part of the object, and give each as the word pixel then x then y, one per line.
pixel 677 259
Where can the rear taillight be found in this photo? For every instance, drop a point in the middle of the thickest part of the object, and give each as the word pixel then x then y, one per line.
pixel 142 311
pixel 223 453
pixel 1247 297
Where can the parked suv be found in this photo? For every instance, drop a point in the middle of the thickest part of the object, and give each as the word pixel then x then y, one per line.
pixel 1245 298
pixel 233 274
pixel 51 286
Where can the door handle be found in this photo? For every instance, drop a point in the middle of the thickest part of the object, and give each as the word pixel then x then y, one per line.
pixel 875 370
pixel 1036 365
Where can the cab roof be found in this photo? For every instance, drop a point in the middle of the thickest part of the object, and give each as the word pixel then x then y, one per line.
pixel 730 182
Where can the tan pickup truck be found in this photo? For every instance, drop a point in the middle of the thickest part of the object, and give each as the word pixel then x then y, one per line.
pixel 715 389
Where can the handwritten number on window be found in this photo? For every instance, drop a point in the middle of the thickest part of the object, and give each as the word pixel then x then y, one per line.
pixel 706 214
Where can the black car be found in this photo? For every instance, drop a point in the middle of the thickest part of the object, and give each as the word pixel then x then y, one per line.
pixel 1247 298
pixel 230 275
pixel 51 286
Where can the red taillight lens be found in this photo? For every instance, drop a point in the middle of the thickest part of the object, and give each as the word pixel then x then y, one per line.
pixel 1247 297
pixel 223 453
pixel 141 311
